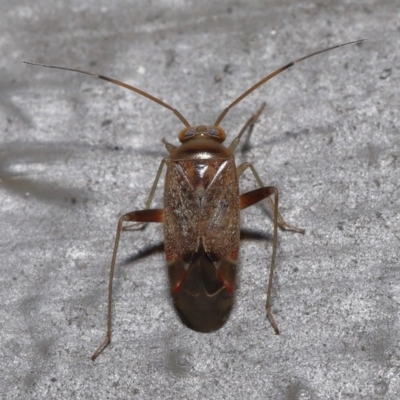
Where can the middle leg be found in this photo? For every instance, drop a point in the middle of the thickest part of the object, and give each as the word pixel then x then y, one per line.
pixel 281 223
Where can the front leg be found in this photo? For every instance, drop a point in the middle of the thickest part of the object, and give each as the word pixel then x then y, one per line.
pixel 140 225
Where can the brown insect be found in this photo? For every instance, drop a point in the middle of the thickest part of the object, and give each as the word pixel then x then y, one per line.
pixel 201 216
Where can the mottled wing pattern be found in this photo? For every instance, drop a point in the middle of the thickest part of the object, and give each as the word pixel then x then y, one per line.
pixel 201 205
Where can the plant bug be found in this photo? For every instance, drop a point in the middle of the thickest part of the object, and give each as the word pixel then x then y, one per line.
pixel 201 215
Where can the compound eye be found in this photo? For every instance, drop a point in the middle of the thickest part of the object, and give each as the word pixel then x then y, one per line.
pixel 216 133
pixel 186 133
pixel 211 131
pixel 190 133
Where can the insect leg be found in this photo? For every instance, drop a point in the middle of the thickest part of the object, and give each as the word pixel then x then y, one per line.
pixel 154 215
pixel 282 224
pixel 140 225
pixel 248 125
pixel 247 200
pixel 241 168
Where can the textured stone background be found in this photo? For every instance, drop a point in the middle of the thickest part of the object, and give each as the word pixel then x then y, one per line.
pixel 76 153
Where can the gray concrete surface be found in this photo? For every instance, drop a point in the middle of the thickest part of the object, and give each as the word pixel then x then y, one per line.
pixel 76 153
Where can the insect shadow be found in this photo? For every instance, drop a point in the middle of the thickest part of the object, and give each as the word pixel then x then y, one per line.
pixel 245 234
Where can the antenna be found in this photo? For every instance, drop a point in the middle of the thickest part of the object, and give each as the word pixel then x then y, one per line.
pixel 277 72
pixel 176 112
pixel 119 83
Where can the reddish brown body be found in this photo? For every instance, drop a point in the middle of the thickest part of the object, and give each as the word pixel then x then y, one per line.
pixel 202 231
pixel 201 216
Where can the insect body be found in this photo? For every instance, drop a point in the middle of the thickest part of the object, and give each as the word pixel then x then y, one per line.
pixel 202 225
pixel 201 228
pixel 201 217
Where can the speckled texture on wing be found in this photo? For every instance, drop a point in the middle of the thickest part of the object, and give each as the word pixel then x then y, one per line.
pixel 201 201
